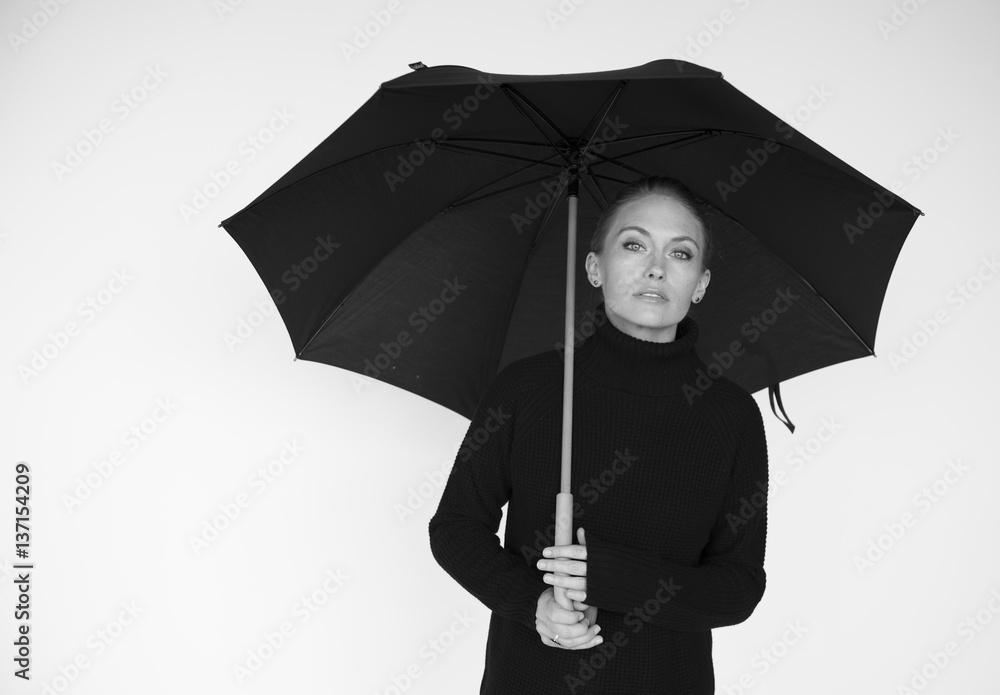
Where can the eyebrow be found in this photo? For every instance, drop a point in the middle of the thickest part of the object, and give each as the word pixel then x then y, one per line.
pixel 646 234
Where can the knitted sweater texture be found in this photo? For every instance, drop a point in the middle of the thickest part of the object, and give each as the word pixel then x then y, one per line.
pixel 670 486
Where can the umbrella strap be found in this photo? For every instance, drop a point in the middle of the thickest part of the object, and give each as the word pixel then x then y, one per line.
pixel 774 394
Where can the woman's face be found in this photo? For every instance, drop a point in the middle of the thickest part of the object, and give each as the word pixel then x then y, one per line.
pixel 651 267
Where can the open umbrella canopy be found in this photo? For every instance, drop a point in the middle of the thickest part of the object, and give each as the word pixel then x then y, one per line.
pixel 423 243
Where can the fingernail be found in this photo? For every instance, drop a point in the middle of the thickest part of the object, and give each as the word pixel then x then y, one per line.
pixel 597 630
pixel 547 553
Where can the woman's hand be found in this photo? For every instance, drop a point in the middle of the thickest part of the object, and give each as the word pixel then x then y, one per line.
pixel 576 629
pixel 575 566
pixel 559 627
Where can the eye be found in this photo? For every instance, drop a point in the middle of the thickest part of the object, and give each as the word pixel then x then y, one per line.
pixel 629 244
pixel 685 254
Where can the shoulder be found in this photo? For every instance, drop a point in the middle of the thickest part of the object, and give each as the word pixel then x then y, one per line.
pixel 527 379
pixel 732 411
pixel 733 399
pixel 532 369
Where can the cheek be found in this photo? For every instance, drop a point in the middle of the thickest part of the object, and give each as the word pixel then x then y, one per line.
pixel 689 276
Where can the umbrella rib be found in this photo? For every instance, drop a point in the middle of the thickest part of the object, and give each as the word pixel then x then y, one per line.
pixel 595 191
pixel 520 278
pixel 469 201
pixel 695 136
pixel 628 167
pixel 776 255
pixel 498 155
pixel 597 120
pixel 523 108
pixel 691 139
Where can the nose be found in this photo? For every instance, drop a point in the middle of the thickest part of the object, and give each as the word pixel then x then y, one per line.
pixel 654 271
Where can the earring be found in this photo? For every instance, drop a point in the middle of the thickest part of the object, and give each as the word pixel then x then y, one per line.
pixel 595 282
pixel 696 299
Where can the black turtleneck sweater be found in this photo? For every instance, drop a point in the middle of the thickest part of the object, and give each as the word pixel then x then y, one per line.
pixel 669 485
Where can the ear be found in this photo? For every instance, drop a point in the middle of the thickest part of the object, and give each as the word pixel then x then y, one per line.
pixel 593 265
pixel 706 277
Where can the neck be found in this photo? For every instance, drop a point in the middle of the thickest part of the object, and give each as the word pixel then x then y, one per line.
pixel 626 363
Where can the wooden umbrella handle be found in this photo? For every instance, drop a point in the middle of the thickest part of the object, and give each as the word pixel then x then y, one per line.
pixel 564 536
pixel 564 500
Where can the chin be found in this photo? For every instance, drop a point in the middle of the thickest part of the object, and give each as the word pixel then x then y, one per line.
pixel 652 317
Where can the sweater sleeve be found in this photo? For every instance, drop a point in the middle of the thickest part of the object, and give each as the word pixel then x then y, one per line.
pixel 463 531
pixel 728 582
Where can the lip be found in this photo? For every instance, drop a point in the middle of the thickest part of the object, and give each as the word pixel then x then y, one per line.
pixel 644 294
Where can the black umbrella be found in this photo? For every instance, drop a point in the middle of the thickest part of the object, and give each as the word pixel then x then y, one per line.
pixel 424 243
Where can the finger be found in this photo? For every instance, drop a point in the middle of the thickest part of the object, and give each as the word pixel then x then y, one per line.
pixel 579 536
pixel 558 614
pixel 576 596
pixel 569 636
pixel 577 568
pixel 589 639
pixel 577 583
pixel 591 644
pixel 576 552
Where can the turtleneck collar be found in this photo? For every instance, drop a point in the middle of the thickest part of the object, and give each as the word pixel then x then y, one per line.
pixel 625 363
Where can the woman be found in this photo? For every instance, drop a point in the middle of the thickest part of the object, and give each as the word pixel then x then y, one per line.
pixel 669 482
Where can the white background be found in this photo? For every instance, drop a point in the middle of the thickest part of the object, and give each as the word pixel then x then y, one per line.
pixel 895 77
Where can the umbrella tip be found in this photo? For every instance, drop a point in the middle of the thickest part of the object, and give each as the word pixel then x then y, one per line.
pixel 417 66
